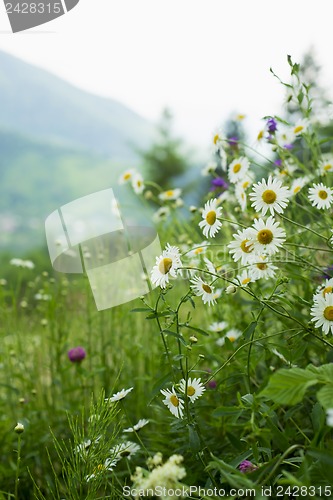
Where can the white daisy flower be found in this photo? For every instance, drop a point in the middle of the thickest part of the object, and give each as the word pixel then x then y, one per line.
pixel 300 127
pixel 199 249
pixel 161 214
pixel 298 184
pixel 141 423
pixel 203 290
pixel 218 326
pixel 126 176
pixel 82 448
pixel 325 288
pixel 166 266
pixel 237 169
pixel 261 268
pixel 285 138
pixel 210 266
pixel 261 136
pixel 326 164
pixel 124 450
pixel 321 196
pixel 210 224
pixel 232 335
pixel 22 263
pixel 137 183
pixel 173 402
pixel 119 395
pixel 270 195
pixel 108 465
pixel 217 294
pixel 195 388
pixel 218 140
pixel 243 279
pixel 287 170
pixel 209 168
pixel 329 417
pixel 242 245
pixel 223 158
pixel 170 194
pixel 247 180
pixel 267 236
pixel 322 312
pixel 241 196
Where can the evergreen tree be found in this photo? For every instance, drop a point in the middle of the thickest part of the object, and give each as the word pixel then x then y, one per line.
pixel 164 160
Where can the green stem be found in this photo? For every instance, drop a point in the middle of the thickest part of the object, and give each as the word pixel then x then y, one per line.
pixel 18 462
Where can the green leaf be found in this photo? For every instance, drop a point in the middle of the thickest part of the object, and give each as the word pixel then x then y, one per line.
pixel 325 396
pixel 249 330
pixel 140 309
pixel 324 372
pixel 227 411
pixel 195 329
pixel 289 386
pixel 177 335
pixel 193 439
pixel 155 315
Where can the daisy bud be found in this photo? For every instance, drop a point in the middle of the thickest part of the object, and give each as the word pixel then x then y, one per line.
pixel 193 339
pixel 201 356
pixel 231 289
pixel 148 195
pixel 21 401
pixel 192 209
pixel 19 428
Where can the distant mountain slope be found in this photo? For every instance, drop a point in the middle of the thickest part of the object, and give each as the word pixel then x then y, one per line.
pixel 36 178
pixel 37 103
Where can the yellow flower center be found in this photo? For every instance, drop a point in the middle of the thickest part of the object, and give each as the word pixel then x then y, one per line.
pixel 216 138
pixel 284 172
pixel 328 313
pixel 240 117
pixel 190 391
pixel 246 281
pixel 236 168
pixel 206 288
pixel 265 236
pixel 127 176
pixel 269 196
pixel 326 290
pixel 297 189
pixel 298 129
pixel 198 250
pixel 327 167
pixel 232 339
pixel 260 135
pixel 211 217
pixel 322 194
pixel 245 247
pixel 174 400
pixel 262 266
pixel 245 184
pixel 165 265
pixel 169 193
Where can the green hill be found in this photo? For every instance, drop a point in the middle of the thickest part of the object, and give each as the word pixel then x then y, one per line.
pixel 57 143
pixel 36 178
pixel 37 103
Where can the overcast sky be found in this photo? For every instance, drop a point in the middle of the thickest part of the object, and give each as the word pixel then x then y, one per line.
pixel 202 58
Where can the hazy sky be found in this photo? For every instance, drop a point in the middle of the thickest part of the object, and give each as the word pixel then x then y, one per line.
pixel 203 58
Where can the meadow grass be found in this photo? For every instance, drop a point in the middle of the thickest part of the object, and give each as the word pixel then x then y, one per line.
pixel 241 349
